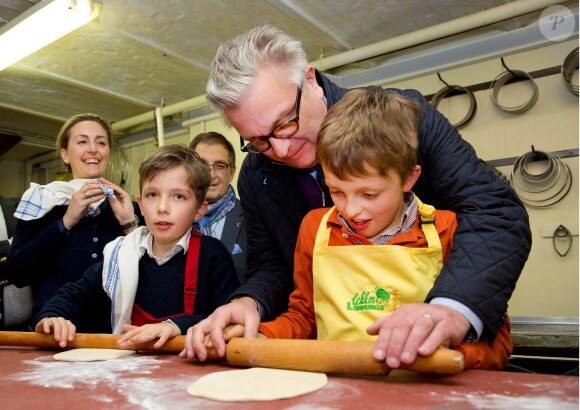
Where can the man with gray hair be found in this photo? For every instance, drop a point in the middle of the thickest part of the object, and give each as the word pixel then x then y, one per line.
pixel 262 84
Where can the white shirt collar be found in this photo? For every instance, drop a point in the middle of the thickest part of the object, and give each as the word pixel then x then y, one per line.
pixel 182 245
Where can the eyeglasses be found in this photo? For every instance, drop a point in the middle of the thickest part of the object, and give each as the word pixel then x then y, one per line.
pixel 219 166
pixel 287 129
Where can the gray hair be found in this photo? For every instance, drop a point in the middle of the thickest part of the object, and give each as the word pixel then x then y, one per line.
pixel 239 60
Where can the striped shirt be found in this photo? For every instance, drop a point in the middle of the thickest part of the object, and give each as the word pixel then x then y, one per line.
pixel 406 224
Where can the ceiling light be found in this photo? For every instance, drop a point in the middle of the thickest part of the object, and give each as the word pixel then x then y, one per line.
pixel 42 24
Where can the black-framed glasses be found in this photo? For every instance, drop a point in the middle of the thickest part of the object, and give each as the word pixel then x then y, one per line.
pixel 287 129
pixel 219 166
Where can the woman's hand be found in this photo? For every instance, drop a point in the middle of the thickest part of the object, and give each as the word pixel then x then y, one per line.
pixel 89 193
pixel 122 205
pixel 64 331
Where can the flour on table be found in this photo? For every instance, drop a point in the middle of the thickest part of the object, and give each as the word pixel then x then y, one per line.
pixel 257 384
pixel 92 355
pixel 483 400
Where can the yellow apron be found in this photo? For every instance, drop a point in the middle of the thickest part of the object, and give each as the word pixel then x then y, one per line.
pixel 354 285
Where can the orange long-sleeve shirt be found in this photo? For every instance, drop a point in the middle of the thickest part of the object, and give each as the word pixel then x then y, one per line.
pixel 299 321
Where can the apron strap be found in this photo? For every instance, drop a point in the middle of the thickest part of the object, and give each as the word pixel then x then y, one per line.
pixel 191 263
pixel 427 224
pixel 323 232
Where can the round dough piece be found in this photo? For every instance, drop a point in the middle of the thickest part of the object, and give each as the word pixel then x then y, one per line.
pixel 256 384
pixel 92 355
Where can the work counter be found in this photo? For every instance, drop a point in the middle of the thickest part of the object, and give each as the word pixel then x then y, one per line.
pixel 31 378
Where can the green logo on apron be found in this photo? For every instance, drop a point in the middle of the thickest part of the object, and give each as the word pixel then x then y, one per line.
pixel 367 301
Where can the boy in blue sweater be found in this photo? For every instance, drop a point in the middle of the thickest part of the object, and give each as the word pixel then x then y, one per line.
pixel 161 279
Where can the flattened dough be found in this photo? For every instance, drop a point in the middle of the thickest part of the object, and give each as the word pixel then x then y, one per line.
pixel 92 355
pixel 256 384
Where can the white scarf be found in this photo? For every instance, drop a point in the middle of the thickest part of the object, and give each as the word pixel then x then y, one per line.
pixel 121 275
pixel 38 200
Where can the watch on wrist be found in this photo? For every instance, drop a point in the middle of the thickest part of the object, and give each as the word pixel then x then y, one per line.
pixel 471 336
pixel 134 222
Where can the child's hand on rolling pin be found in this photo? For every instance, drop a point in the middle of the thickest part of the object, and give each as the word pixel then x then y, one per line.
pixel 142 334
pixel 64 331
pixel 231 331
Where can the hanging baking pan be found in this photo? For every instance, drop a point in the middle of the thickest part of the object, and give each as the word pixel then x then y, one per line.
pixel 569 67
pixel 540 178
pixel 451 90
pixel 510 76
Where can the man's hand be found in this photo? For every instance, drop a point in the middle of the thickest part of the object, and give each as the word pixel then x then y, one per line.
pixel 210 331
pixel 416 329
pixel 141 334
pixel 64 331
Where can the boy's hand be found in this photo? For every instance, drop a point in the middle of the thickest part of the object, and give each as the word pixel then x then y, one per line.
pixel 210 332
pixel 416 329
pixel 141 334
pixel 64 331
pixel 230 332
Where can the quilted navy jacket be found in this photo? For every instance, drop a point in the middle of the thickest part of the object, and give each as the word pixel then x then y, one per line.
pixel 491 243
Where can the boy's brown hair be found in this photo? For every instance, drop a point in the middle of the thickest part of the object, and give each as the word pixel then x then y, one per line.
pixel 173 156
pixel 370 127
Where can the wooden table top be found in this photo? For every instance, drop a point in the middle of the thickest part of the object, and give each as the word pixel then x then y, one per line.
pixel 31 378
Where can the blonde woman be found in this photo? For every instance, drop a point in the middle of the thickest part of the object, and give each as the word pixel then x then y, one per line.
pixel 63 227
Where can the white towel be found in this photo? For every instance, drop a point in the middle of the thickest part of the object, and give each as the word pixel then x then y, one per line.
pixel 38 200
pixel 121 275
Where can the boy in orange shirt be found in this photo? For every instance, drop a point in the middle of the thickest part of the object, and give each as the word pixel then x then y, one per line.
pixel 344 291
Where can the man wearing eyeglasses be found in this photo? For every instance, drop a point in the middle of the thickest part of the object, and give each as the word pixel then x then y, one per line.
pixel 262 84
pixel 224 218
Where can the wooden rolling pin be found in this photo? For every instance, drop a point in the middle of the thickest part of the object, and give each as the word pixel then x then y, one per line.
pixel 325 356
pixel 85 340
pixel 330 356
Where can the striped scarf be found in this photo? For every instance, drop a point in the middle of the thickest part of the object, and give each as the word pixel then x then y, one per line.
pixel 216 211
pixel 38 200
pixel 121 275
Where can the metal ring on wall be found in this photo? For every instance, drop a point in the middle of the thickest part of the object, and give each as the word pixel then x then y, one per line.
pixel 564 233
pixel 552 195
pixel 541 189
pixel 445 91
pixel 505 78
pixel 544 184
pixel 569 66
pixel 536 182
